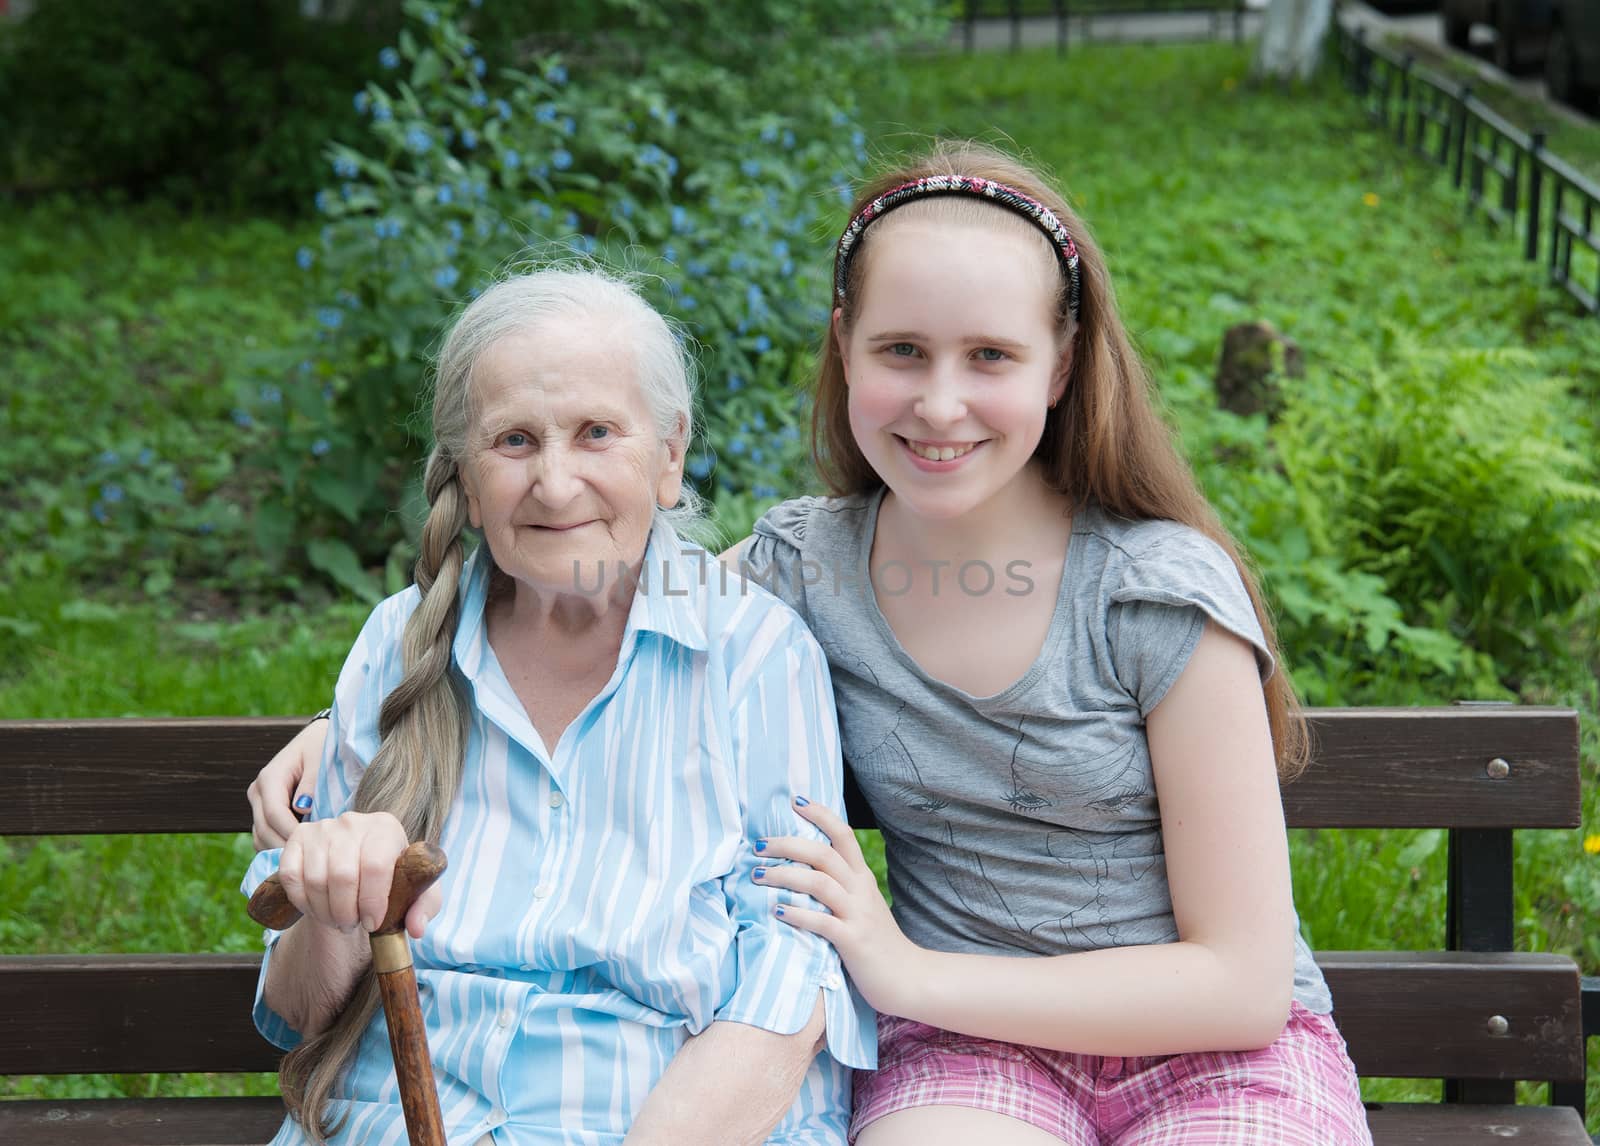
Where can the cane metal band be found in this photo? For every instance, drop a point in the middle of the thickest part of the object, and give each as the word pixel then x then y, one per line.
pixel 997 193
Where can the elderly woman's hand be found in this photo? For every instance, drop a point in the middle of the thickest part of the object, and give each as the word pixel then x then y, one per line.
pixel 281 792
pixel 338 872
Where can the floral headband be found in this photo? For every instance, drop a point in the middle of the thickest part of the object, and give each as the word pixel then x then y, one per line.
pixel 997 193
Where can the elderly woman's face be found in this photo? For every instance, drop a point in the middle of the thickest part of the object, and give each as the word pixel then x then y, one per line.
pixel 565 466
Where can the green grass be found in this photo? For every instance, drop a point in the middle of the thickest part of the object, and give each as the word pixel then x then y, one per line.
pixel 1216 202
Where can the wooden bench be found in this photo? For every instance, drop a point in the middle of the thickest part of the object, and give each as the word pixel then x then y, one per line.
pixel 1474 1012
pixel 1063 12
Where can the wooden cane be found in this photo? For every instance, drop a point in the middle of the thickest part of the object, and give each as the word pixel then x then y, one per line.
pixel 414 872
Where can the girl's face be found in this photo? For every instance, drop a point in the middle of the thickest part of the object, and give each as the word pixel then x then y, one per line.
pixel 565 466
pixel 953 361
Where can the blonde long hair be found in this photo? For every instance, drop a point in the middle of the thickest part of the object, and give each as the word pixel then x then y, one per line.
pixel 1103 442
pixel 423 723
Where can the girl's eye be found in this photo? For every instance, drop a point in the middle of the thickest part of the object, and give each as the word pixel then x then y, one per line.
pixel 902 349
pixel 990 354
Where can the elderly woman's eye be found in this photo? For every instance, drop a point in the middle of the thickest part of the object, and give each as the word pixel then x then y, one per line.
pixel 516 439
pixel 598 433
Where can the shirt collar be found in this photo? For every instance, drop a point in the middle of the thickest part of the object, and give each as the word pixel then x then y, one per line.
pixel 669 599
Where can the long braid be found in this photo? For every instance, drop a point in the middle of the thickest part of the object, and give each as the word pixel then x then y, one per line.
pixel 414 775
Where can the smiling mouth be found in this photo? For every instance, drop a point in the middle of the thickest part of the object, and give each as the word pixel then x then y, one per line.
pixel 560 528
pixel 933 453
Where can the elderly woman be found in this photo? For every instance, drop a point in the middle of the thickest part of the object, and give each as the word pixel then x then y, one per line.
pixel 599 736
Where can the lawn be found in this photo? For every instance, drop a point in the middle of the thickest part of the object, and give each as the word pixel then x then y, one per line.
pixel 1217 201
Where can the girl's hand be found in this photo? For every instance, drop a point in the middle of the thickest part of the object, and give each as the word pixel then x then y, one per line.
pixel 281 792
pixel 880 959
pixel 338 872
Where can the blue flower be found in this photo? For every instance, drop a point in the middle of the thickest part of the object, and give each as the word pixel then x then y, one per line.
pixel 764 491
pixel 780 249
pixel 206 527
pixel 672 165
pixel 757 456
pixel 751 168
pixel 697 269
pixel 858 139
pixel 389 58
pixel 545 113
pixel 430 17
pixel 735 383
pixel 511 159
pixel 754 299
pixel 345 167
pixel 502 109
pixel 100 514
pixel 362 102
pixel 146 456
pixel 680 219
pixel 271 395
pixel 178 485
pixel 382 113
pixel 769 134
pixel 787 268
pixel 671 118
pixel 840 119
pixel 737 262
pixel 557 75
pixel 670 254
pixel 763 344
pixel 689 302
pixel 562 159
pixel 479 99
pixel 454 227
pixel 330 316
pixel 571 221
pixel 788 140
pixel 541 210
pixel 469 138
pixel 626 207
pixel 479 67
pixel 418 140
pixel 468 50
pixel 324 201
pixel 242 419
pixel 109 457
pixel 483 228
pixel 699 467
pixel 320 447
pixel 444 194
pixel 736 447
pixel 761 420
pixel 568 125
pixel 445 277
pixel 585 244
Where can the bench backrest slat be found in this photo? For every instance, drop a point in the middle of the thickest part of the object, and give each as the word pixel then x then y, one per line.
pixel 1404 1015
pixel 1379 768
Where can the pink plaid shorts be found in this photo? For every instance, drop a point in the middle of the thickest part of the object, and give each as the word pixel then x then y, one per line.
pixel 1300 1091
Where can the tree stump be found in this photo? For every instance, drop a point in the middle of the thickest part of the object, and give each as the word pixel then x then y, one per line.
pixel 1254 358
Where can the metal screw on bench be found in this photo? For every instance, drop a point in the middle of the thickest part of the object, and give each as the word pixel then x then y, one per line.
pixel 414 872
pixel 1499 768
pixel 1498 1026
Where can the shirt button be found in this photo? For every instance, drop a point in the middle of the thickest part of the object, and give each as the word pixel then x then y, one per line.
pixel 506 1017
pixel 527 966
pixel 832 982
pixel 557 799
pixel 542 891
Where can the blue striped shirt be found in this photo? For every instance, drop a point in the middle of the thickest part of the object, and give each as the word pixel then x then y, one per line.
pixel 598 907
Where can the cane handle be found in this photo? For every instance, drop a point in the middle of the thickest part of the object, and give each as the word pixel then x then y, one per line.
pixel 414 872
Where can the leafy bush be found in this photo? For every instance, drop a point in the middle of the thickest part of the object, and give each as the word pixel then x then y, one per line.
pixel 227 104
pixel 707 144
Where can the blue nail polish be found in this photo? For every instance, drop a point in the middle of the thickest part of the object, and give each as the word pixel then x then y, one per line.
pixel 777 911
pixel 303 803
pixel 761 873
pixel 761 845
pixel 801 801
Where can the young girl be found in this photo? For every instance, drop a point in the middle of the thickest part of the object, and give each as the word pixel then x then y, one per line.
pixel 1057 690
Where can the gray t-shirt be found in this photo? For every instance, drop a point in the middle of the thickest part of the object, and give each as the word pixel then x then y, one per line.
pixel 1025 821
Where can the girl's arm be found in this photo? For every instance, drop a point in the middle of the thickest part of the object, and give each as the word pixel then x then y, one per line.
pixel 288 776
pixel 1225 985
pixel 737 1078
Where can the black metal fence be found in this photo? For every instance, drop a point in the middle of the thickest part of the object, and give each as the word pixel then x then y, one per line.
pixel 1509 177
pixel 1221 13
